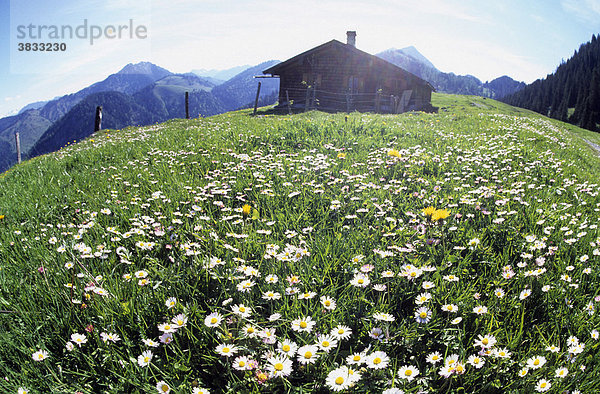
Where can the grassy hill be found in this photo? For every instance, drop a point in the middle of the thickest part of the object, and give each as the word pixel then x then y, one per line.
pixel 450 252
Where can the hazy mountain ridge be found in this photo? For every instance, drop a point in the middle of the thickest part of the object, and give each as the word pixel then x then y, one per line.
pixel 413 61
pixel 166 97
pixel 119 110
pixel 222 75
pixel 129 80
pixel 36 105
pixel 153 89
pixel 241 89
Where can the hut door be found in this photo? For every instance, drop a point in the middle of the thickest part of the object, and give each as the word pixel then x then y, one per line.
pixel 353 85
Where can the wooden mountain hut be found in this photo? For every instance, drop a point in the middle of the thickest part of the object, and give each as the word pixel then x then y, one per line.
pixel 339 77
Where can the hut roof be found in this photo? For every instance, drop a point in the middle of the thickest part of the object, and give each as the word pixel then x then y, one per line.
pixel 337 45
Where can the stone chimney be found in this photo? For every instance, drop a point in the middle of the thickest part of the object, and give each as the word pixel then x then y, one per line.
pixel 351 38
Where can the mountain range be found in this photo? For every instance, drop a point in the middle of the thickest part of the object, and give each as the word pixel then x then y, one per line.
pixel 144 93
pixel 413 61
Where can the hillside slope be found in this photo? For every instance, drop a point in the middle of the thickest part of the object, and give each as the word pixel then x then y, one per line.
pixel 241 89
pixel 571 93
pixel 166 97
pixel 118 110
pixel 174 255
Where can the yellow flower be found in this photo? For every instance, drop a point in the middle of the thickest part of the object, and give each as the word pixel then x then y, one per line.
pixel 440 214
pixel 246 209
pixel 428 211
pixel 341 155
pixel 394 153
pixel 1 217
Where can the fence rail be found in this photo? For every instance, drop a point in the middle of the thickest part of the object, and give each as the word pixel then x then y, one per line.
pixel 314 98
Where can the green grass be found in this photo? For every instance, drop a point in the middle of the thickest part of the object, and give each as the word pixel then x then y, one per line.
pixel 96 238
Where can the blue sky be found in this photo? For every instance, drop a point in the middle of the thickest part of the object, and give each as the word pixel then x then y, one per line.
pixel 523 39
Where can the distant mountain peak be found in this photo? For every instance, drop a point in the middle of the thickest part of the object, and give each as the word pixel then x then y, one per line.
pixel 146 68
pixel 413 52
pixel 410 52
pixel 223 75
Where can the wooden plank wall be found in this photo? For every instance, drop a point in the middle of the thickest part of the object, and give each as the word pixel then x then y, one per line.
pixel 340 76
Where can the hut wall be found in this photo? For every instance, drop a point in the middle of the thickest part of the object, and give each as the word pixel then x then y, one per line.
pixel 346 80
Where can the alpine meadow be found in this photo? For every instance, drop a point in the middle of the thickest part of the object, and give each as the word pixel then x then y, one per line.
pixel 453 252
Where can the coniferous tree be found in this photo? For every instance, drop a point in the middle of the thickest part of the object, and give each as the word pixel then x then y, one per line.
pixel 574 86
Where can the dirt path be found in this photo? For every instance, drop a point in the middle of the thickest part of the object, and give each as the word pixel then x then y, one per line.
pixel 595 146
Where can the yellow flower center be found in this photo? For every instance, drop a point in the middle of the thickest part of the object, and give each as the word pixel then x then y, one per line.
pixel 356 357
pixel 226 350
pixel 242 309
pixel 327 303
pixel 536 362
pixel 543 385
pixel 340 331
pixel 339 380
pixel 303 324
pixel 408 372
pixel 308 355
pixel 286 348
pixel 423 315
pixel 361 281
pixel 213 320
pixel 325 344
pixel 279 366
pixel 241 363
pixel 165 388
pixel 485 341
pixel 376 360
pixel 459 368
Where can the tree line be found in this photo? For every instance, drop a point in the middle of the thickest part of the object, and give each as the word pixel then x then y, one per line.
pixel 571 93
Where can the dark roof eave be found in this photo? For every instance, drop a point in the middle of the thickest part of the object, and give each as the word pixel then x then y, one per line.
pixel 274 70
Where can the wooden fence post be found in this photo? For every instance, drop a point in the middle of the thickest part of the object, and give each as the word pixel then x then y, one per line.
pixel 314 97
pixel 378 101
pixel 187 105
pixel 18 144
pixel 289 105
pixel 307 99
pixel 256 99
pixel 98 121
pixel 348 102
